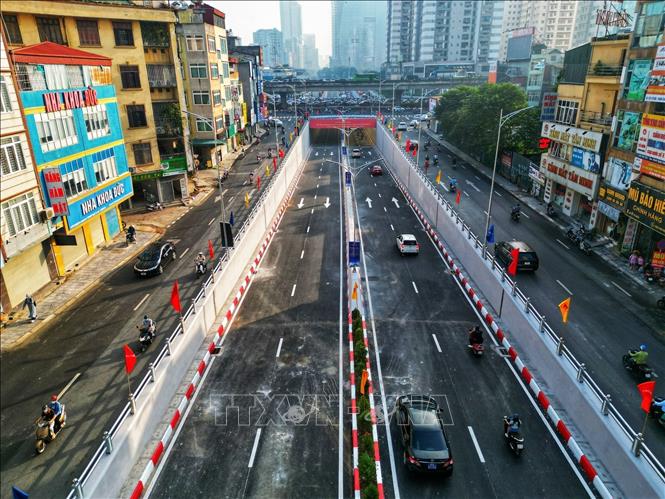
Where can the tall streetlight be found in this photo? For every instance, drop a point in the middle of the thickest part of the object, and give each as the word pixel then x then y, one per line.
pixel 422 97
pixel 380 97
pixel 395 85
pixel 502 121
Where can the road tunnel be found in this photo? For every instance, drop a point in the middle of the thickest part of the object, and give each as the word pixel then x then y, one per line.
pixel 326 131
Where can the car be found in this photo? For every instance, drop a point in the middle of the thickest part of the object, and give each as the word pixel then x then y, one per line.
pixel 407 244
pixel 426 445
pixel 402 126
pixel 376 170
pixel 356 153
pixel 398 109
pixel 527 260
pixel 414 123
pixel 155 257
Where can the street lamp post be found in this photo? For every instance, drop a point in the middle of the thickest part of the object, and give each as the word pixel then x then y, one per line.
pixel 422 97
pixel 395 85
pixel 502 121
pixel 380 97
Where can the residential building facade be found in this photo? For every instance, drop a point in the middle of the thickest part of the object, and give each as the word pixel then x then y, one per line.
pixel 270 41
pixel 290 15
pixel 250 62
pixel 544 69
pixel 310 54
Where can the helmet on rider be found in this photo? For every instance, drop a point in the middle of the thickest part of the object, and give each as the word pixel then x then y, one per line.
pixel 145 317
pixel 54 398
pixel 515 417
pixel 643 347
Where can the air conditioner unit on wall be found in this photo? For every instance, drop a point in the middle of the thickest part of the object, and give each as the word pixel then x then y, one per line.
pixel 47 214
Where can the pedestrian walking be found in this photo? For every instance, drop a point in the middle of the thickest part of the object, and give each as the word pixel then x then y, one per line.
pixel 632 260
pixel 640 263
pixel 32 307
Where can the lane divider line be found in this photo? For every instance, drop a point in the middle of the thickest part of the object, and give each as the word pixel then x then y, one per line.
pixel 436 342
pixel 475 444
pixel 293 291
pixel 141 302
pixel 279 347
pixel 254 448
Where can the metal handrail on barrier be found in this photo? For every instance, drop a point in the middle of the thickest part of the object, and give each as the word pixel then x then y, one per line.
pixel 106 447
pixel 639 448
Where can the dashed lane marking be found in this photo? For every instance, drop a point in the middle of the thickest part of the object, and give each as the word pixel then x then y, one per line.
pixel 562 244
pixel 414 287
pixel 621 289
pixel 466 194
pixel 564 287
pixel 256 445
pixel 302 254
pixel 498 194
pixel 475 444
pixel 436 342
pixel 393 228
pixel 279 347
pixel 141 302
pixel 293 291
pixel 183 253
pixel 211 221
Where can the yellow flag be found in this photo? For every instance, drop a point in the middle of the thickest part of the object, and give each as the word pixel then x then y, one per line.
pixel 564 308
pixel 267 171
pixel 246 200
pixel 363 381
pixel 438 177
pixel 354 293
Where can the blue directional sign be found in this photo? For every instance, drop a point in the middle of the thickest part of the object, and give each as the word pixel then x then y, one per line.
pixel 354 253
pixel 490 235
pixel 347 178
pixel 343 150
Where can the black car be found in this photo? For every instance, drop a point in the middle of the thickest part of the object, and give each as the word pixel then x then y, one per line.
pixel 527 260
pixel 426 446
pixel 153 260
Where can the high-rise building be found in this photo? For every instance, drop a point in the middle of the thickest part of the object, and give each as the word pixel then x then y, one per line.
pixel 359 34
pixel 310 53
pixel 270 41
pixel 290 16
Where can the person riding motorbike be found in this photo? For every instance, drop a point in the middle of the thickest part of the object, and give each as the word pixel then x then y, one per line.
pixel 475 336
pixel 516 209
pixel 511 424
pixel 200 262
pixel 51 412
pixel 436 159
pixel 639 357
pixel 453 184
pixel 148 326
pixel 131 233
pixel 550 209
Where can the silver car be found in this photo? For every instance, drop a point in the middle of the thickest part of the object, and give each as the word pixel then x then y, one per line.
pixel 407 244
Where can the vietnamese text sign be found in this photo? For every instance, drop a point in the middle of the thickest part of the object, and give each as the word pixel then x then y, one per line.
pixel 96 202
pixel 611 196
pixel 566 134
pixel 651 142
pixel 55 189
pixel 650 168
pixel 646 205
pixel 656 87
pixel 549 106
pixel 578 180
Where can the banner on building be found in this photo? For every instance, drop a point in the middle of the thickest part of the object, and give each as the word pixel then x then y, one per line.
pixel 580 181
pixel 650 168
pixel 658 259
pixel 611 196
pixel 506 159
pixel 656 87
pixel 647 206
pixel 55 188
pixel 588 160
pixel 639 79
pixel 433 102
pixel 549 106
pixel 651 142
pixel 491 75
pixel 619 173
pixel 630 126
pixel 609 211
pixel 535 174
pixel 578 137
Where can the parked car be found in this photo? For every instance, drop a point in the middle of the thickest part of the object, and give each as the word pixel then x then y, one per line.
pixel 407 244
pixel 527 260
pixel 402 125
pixel 424 439
pixel 376 170
pixel 153 260
pixel 356 153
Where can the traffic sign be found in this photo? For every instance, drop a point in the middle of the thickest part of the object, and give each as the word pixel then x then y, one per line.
pixel 347 177
pixel 343 150
pixel 354 253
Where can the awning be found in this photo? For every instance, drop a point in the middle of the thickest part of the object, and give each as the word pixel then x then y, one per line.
pixel 53 53
pixel 208 142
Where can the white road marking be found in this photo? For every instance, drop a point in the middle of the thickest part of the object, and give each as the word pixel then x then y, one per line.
pixel 498 194
pixel 256 445
pixel 218 198
pixel 444 186
pixel 463 167
pixel 312 212
pixel 478 179
pixel 319 176
pixel 525 215
pixel 564 287
pixel 142 300
pixel 562 244
pixel 384 209
pixel 466 194
pixel 279 347
pixel 231 200
pixel 315 196
pixel 293 291
pixel 485 212
pixel 414 287
pixel 621 289
pixel 302 253
pixel 223 192
pixel 393 228
pixel 475 444
pixel 436 342
pixel 301 203
pixel 468 182
pixel 308 229
pixel 211 221
pixel 317 186
pixel 379 194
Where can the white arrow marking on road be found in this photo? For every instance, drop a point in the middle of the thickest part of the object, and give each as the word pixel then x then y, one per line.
pixel 327 203
pixel 472 185
pixel 394 200
pixel 141 302
pixel 256 445
pixel 436 342
pixel 301 203
pixel 368 201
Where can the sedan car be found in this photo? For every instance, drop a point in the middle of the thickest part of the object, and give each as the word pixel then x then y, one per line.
pixel 414 123
pixel 407 244
pixel 153 260
pixel 426 445
pixel 376 170
pixel 402 125
pixel 527 259
pixel 356 153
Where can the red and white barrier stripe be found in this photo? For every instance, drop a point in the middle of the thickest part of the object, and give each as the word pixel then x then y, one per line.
pixel 205 362
pixel 354 409
pixel 526 375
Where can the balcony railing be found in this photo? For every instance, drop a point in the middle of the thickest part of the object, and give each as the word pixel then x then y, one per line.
pixel 161 76
pixel 604 119
pixel 600 69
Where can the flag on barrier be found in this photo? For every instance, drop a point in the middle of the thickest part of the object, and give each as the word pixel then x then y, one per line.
pixel 246 200
pixel 211 250
pixel 175 298
pixel 438 178
pixel 231 219
pixel 363 381
pixel 490 234
pixel 514 258
pixel 258 183
pixel 354 293
pixel 267 171
pixel 130 359
pixel 646 391
pixel 458 198
pixel 564 308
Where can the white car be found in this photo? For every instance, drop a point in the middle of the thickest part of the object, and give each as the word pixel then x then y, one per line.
pixel 356 153
pixel 407 244
pixel 414 123
pixel 402 126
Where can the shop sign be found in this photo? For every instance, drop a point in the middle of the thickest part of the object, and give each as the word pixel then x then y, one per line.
pixel 630 126
pixel 588 160
pixel 619 173
pixel 609 211
pixel 646 205
pixel 147 176
pixel 578 180
pixel 535 174
pixel 56 191
pixel 71 99
pixel 656 87
pixel 574 136
pixel 611 196
pixel 97 202
pixel 650 168
pixel 658 259
pixel 651 142
pixel 549 106
pixel 639 79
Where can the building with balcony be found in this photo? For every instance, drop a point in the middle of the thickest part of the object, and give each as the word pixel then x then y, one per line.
pixel 250 61
pixel 24 228
pixel 145 70
pixel 544 69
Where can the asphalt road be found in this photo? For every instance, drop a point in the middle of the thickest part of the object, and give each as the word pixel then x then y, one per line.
pixel 88 339
pixel 421 320
pixel 609 314
pixel 266 421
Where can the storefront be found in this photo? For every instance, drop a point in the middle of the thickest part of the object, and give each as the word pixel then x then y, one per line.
pixel 645 209
pixel 166 185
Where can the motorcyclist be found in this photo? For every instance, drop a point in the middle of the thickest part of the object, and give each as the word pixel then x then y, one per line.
pixel 453 184
pixel 516 209
pixel 48 416
pixel 436 159
pixel 148 326
pixel 55 405
pixel 131 232
pixel 550 208
pixel 200 261
pixel 475 336
pixel 639 357
pixel 511 424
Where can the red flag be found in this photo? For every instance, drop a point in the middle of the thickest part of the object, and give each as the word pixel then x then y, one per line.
pixel 407 145
pixel 274 164
pixel 458 198
pixel 646 390
pixel 258 183
pixel 175 298
pixel 514 257
pixel 414 151
pixel 211 250
pixel 281 153
pixel 130 359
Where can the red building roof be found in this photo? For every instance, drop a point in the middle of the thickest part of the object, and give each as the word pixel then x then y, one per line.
pixel 53 53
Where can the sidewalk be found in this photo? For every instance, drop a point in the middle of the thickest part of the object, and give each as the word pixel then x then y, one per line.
pixel 604 251
pixel 59 295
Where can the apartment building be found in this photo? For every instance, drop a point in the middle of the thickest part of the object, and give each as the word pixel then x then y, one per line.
pixel 141 42
pixel 271 42
pixel 26 262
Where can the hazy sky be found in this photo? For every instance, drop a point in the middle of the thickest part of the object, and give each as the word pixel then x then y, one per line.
pixel 246 16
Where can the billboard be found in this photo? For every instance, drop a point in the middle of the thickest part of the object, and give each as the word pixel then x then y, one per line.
pixel 639 79
pixel 549 106
pixel 562 173
pixel 519 47
pixel 618 173
pixel 650 168
pixel 651 142
pixel 578 137
pixel 630 125
pixel 647 206
pixel 588 160
pixel 656 86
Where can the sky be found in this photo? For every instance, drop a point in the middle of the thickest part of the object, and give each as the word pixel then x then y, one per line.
pixel 246 16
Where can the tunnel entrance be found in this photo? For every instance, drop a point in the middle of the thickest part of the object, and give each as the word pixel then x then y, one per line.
pixel 326 130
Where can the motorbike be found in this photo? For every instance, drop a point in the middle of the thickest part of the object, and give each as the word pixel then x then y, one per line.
pixel 201 269
pixel 576 234
pixel 515 440
pixel 641 371
pixel 477 349
pixel 656 412
pixel 154 206
pixel 550 211
pixel 42 433
pixel 146 336
pixel 453 188
pixel 661 303
pixel 130 237
pixel 515 216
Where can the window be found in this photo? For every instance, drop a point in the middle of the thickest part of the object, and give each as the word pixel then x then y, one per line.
pixel 73 177
pixel 96 121
pixel 219 125
pixel 5 104
pixel 566 112
pixel 203 125
pixel 12 155
pixel 227 93
pixel 122 31
pixel 216 97
pixel 20 213
pixel 214 71
pixel 201 97
pixel 12 30
pixel 103 163
pixel 225 68
pixel 198 70
pixel 211 44
pixel 136 116
pixel 49 30
pixel 56 130
pixel 222 45
pixel 88 32
pixel 194 43
pixel 130 77
pixel 142 153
